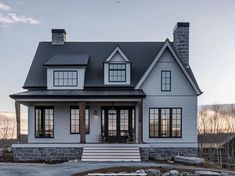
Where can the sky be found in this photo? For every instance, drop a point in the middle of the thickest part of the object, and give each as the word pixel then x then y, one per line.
pixel 23 23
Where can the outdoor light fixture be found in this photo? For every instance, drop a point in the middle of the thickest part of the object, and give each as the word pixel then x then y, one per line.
pixel 95 114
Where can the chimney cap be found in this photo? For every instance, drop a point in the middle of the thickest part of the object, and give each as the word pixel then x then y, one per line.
pixel 58 31
pixel 182 24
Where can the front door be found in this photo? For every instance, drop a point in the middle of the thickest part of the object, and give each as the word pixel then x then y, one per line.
pixel 118 124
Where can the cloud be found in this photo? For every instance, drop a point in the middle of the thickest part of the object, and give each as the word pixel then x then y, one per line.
pixel 8 17
pixel 4 7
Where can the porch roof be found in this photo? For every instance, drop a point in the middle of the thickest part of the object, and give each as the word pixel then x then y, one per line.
pixel 55 94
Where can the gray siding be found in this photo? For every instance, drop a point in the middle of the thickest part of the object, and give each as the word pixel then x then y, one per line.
pixel 62 126
pixel 181 95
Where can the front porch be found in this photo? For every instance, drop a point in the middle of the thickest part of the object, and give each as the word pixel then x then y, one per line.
pixel 84 122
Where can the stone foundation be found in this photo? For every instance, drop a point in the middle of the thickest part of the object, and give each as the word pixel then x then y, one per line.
pixel 46 153
pixel 166 153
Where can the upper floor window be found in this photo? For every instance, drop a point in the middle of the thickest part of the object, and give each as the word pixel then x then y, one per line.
pixel 64 78
pixel 166 80
pixel 117 72
pixel 44 122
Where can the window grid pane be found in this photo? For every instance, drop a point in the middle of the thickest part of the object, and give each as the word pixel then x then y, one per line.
pixel 154 123
pixel 166 80
pixel 124 122
pixel 112 122
pixel 74 120
pixel 117 72
pixel 165 122
pixel 65 78
pixel 44 122
pixel 176 122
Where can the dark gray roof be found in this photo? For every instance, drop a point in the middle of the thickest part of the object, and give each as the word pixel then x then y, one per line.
pixel 219 138
pixel 80 94
pixel 140 54
pixel 229 139
pixel 68 60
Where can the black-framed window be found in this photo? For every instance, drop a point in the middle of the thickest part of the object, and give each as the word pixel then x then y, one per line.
pixel 165 122
pixel 117 72
pixel 165 80
pixel 74 120
pixel 65 78
pixel 44 122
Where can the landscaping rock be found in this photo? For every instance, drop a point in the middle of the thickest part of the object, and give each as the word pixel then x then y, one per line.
pixel 140 171
pixel 166 174
pixel 190 160
pixel 224 174
pixel 185 174
pixel 173 173
pixel 153 172
pixel 207 173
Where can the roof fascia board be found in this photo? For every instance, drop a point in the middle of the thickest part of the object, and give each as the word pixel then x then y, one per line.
pixel 117 49
pixel 167 45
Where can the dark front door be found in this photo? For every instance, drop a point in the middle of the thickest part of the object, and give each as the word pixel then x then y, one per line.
pixel 118 124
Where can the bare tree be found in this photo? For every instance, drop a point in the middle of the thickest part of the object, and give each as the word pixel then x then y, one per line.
pixel 7 129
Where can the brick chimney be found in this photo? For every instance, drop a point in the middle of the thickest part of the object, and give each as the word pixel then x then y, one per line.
pixel 58 36
pixel 181 41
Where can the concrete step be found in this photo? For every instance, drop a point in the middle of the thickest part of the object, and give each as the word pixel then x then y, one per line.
pixel 111 153
pixel 109 150
pixel 113 160
pixel 111 156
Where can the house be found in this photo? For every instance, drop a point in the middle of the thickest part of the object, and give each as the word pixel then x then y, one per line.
pixel 109 100
pixel 214 140
pixel 217 147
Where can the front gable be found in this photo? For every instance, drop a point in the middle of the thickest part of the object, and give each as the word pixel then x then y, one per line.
pixel 179 84
pixel 117 56
pixel 171 58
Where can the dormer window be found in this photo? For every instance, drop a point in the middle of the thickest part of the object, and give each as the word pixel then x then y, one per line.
pixel 117 69
pixel 65 78
pixel 117 72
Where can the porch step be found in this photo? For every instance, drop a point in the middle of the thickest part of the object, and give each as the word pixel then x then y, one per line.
pixel 111 153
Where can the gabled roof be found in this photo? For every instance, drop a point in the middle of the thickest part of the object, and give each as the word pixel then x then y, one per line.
pixel 140 54
pixel 186 69
pixel 117 49
pixel 218 138
pixel 68 60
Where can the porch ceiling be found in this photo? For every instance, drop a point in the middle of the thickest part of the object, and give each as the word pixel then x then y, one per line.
pixel 79 94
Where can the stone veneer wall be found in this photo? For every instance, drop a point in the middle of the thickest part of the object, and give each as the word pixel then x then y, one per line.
pixel 166 153
pixel 46 153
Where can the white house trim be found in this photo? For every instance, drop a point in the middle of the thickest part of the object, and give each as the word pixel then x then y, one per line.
pixel 117 49
pixel 167 45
